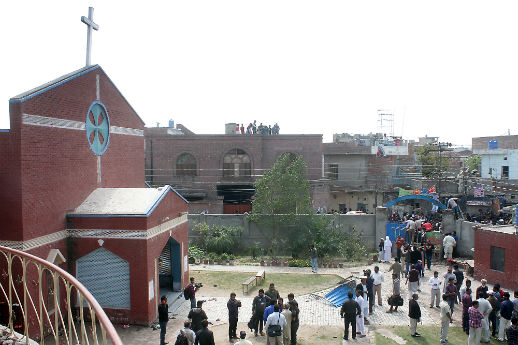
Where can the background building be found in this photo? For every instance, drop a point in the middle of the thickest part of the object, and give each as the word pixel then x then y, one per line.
pixel 216 172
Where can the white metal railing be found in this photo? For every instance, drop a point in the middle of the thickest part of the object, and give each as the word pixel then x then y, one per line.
pixel 40 300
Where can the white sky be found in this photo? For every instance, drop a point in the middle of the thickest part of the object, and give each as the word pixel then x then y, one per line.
pixel 447 68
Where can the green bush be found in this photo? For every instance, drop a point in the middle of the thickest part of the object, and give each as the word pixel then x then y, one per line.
pixel 216 238
pixel 196 252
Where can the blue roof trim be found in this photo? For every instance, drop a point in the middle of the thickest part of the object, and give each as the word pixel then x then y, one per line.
pixel 158 201
pixel 180 195
pixel 50 87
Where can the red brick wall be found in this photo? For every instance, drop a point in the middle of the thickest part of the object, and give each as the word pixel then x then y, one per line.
pixel 57 169
pixel 484 239
pixel 10 180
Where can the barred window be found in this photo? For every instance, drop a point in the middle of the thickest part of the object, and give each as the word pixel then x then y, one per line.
pixel 186 165
pixel 236 163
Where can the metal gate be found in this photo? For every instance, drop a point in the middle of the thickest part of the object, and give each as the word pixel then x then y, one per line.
pixel 169 266
pixel 394 229
pixel 107 277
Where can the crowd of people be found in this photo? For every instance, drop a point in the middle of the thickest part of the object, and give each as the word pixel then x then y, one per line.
pixel 269 313
pixel 253 128
pixel 490 312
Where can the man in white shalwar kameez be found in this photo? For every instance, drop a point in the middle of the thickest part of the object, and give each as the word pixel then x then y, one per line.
pixel 388 250
pixel 448 243
pixel 360 325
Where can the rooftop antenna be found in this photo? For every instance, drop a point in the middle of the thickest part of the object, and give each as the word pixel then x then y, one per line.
pixel 386 122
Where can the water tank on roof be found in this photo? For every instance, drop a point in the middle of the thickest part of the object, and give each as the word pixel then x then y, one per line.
pixel 230 128
pixel 171 123
pixel 492 145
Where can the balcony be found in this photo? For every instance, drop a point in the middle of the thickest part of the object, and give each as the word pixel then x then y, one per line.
pixel 42 303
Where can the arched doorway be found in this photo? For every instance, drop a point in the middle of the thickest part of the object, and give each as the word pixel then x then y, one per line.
pixel 170 267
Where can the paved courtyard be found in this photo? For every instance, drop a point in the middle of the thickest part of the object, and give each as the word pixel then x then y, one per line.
pixel 315 313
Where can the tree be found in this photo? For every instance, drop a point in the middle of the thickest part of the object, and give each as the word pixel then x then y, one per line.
pixel 284 189
pixel 473 163
pixel 282 202
pixel 432 162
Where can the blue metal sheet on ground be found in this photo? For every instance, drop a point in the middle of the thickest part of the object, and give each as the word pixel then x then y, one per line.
pixel 338 296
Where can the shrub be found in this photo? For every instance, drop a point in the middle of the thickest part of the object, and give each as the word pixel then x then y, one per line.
pixel 216 238
pixel 196 252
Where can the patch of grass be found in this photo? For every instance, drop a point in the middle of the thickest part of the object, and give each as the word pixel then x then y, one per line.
pixel 431 335
pixel 285 283
pixel 380 339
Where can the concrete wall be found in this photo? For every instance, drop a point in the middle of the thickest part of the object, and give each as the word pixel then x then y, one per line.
pixel 466 236
pixel 254 233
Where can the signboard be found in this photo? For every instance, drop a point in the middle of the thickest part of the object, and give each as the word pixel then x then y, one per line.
pixel 425 192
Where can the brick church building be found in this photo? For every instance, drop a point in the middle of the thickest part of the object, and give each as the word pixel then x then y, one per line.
pixel 73 189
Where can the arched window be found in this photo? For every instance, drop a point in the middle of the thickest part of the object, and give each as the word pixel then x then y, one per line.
pixel 186 165
pixel 236 163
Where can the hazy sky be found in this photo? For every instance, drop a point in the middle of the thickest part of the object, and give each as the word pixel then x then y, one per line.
pixel 446 68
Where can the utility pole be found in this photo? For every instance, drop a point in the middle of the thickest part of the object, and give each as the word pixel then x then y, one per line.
pixel 440 147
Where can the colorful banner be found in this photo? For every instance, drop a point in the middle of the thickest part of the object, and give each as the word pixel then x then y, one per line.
pixel 426 192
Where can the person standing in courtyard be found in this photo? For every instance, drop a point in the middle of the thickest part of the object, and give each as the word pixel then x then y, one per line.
pixel 466 304
pixel 163 318
pixel 395 300
pixel 313 254
pixel 381 249
pixel 414 313
pixel 428 253
pixel 197 315
pixel 363 287
pixel 286 331
pixel 294 307
pixel 449 274
pixel 360 324
pixel 448 243
pixel 349 311
pixel 495 305
pixel 191 290
pixel 459 275
pixel 272 295
pixel 187 332
pixel 413 282
pixel 512 332
pixel 451 291
pixel 445 319
pixel 396 268
pixel 435 292
pixel 475 324
pixel 370 290
pixel 258 307
pixel 388 249
pixel 484 307
pixel 204 336
pixel 378 279
pixel 233 311
pixel 506 312
pixel 274 326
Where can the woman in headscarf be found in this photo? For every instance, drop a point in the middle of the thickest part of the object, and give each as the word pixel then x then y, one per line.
pixel 381 247
pixel 388 249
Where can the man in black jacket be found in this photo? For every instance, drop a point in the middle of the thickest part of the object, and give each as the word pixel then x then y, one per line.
pixel 197 315
pixel 414 313
pixel 258 307
pixel 204 336
pixel 163 318
pixel 350 309
pixel 233 311
pixel 294 308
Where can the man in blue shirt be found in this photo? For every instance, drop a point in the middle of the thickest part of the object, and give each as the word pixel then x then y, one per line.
pixel 506 312
pixel 270 309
